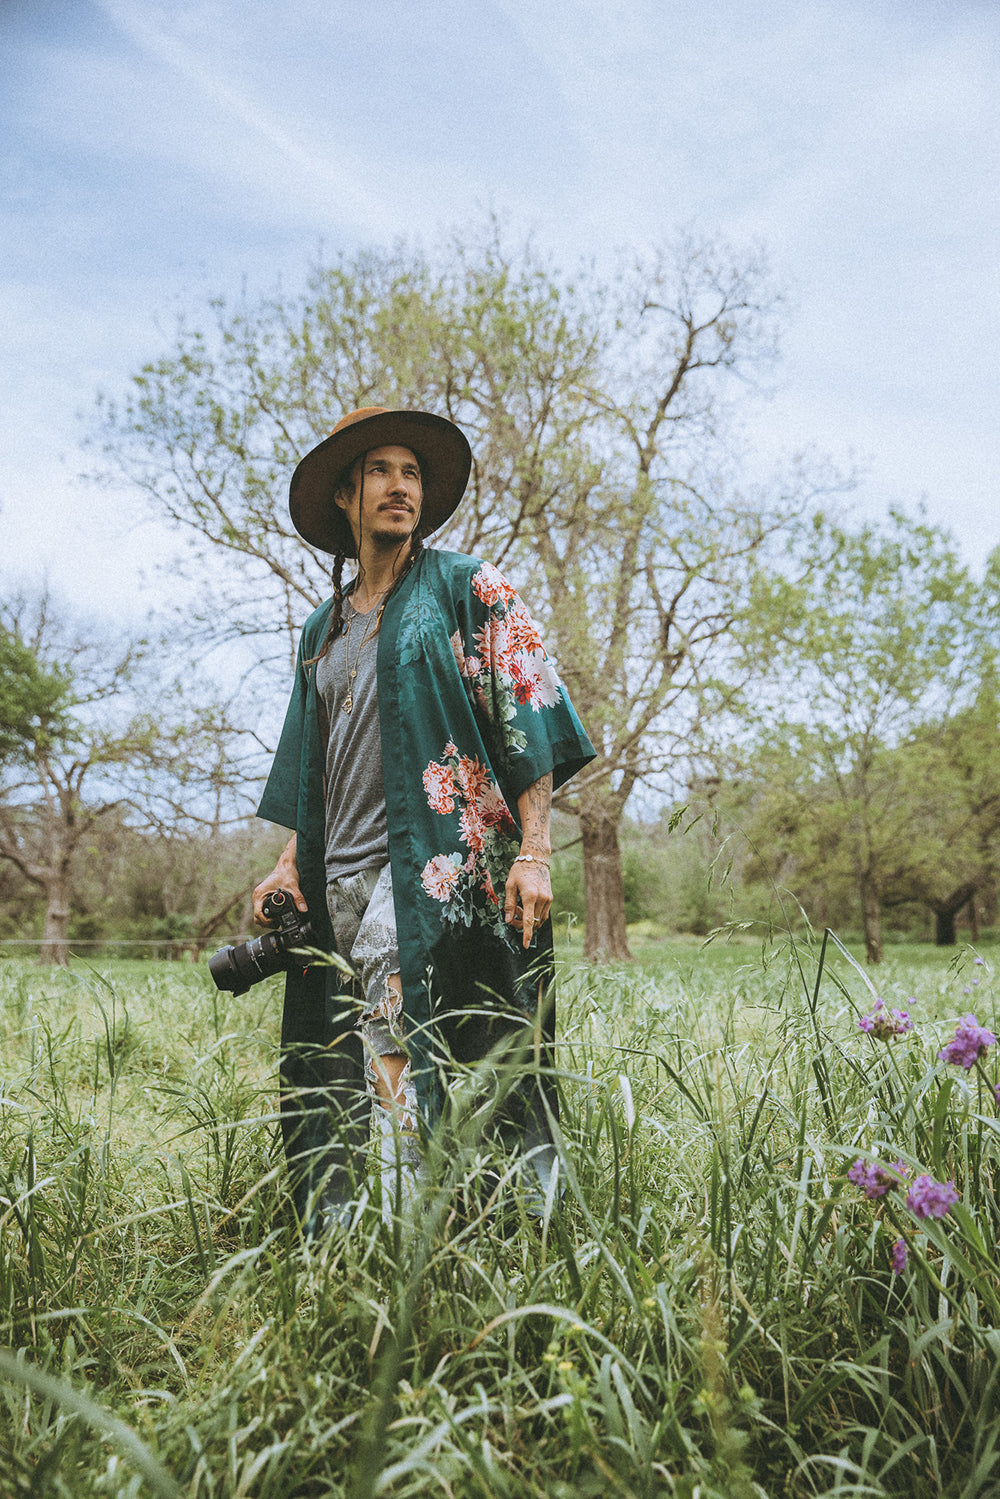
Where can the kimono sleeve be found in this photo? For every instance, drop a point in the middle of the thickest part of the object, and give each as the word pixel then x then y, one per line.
pixel 514 681
pixel 281 798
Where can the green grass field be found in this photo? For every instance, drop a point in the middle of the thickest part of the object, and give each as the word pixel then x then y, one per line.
pixel 709 1309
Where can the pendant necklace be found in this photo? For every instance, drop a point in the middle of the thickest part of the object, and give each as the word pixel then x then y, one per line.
pixel 370 632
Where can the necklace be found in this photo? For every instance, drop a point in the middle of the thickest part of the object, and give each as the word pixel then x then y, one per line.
pixel 370 631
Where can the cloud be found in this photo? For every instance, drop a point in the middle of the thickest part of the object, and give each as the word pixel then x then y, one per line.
pixel 321 179
pixel 357 142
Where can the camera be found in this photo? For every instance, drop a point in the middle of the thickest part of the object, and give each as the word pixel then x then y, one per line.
pixel 236 968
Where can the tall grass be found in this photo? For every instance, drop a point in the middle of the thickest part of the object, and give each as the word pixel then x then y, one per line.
pixel 707 1306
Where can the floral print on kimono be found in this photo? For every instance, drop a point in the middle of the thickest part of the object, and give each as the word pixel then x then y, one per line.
pixel 504 667
pixel 507 665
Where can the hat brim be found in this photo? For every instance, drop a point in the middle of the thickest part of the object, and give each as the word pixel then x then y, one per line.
pixel 441 448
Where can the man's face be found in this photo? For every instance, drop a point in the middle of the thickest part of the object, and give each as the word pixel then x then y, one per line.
pixel 387 511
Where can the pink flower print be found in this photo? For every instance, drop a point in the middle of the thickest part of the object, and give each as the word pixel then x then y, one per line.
pixel 491 586
pixel 494 810
pixel 521 628
pixel 439 783
pixel 492 641
pixel 482 640
pixel 440 876
pixel 534 675
pixel 468 666
pixel 450 749
pixel 472 776
pixel 471 829
pixel 523 685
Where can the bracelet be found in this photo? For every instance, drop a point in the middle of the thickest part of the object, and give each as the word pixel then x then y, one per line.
pixel 531 859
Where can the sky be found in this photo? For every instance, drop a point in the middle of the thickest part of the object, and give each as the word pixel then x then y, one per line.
pixel 154 153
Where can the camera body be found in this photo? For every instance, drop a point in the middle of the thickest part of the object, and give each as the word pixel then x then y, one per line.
pixel 236 968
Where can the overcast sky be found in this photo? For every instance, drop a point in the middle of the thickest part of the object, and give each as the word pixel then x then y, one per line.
pixel 158 151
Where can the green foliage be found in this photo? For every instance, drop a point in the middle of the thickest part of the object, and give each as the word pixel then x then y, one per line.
pixel 670 880
pixel 855 778
pixel 33 698
pixel 132 884
pixel 707 1308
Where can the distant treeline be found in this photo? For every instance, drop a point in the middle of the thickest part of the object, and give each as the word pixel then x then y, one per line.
pixel 151 895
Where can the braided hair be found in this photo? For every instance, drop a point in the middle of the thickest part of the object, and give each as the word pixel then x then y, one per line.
pixel 337 614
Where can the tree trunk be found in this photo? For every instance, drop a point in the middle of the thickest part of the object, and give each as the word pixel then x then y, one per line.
pixel 55 933
pixel 604 888
pixel 944 928
pixel 946 910
pixel 871 912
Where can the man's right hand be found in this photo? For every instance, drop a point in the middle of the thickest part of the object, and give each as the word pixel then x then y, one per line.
pixel 284 876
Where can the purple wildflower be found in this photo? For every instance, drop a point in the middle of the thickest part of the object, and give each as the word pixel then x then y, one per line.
pixel 930 1199
pixel 970 1042
pixel 996 1093
pixel 883 1023
pixel 899 1257
pixel 873 1179
pixel 979 962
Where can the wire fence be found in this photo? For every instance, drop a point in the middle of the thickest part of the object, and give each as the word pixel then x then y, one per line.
pixel 137 947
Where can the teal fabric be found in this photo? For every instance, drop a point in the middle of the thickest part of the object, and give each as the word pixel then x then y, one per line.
pixel 471 714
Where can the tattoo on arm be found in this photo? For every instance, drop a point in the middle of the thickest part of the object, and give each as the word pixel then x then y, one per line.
pixel 534 805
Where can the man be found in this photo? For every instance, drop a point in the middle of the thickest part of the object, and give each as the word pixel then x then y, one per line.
pixel 424 736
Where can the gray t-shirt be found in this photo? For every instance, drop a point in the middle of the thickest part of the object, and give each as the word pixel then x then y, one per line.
pixel 357 831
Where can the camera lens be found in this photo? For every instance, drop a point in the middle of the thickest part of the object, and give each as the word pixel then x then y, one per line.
pixel 236 968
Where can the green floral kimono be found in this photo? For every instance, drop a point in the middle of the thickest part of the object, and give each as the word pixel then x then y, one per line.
pixel 472 712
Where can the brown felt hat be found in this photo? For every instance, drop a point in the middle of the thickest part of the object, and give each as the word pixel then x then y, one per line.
pixel 442 451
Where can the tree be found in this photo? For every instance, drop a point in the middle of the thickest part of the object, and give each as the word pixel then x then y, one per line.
pixel 602 481
pixel 32 700
pixel 954 787
pixel 81 744
pixel 874 635
pixel 649 550
pixel 53 751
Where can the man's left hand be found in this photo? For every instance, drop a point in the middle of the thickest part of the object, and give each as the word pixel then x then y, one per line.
pixel 528 897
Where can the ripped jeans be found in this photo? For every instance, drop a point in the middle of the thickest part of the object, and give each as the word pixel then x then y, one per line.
pixel 364 925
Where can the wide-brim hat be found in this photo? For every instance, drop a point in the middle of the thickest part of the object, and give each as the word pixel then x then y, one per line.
pixel 441 448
